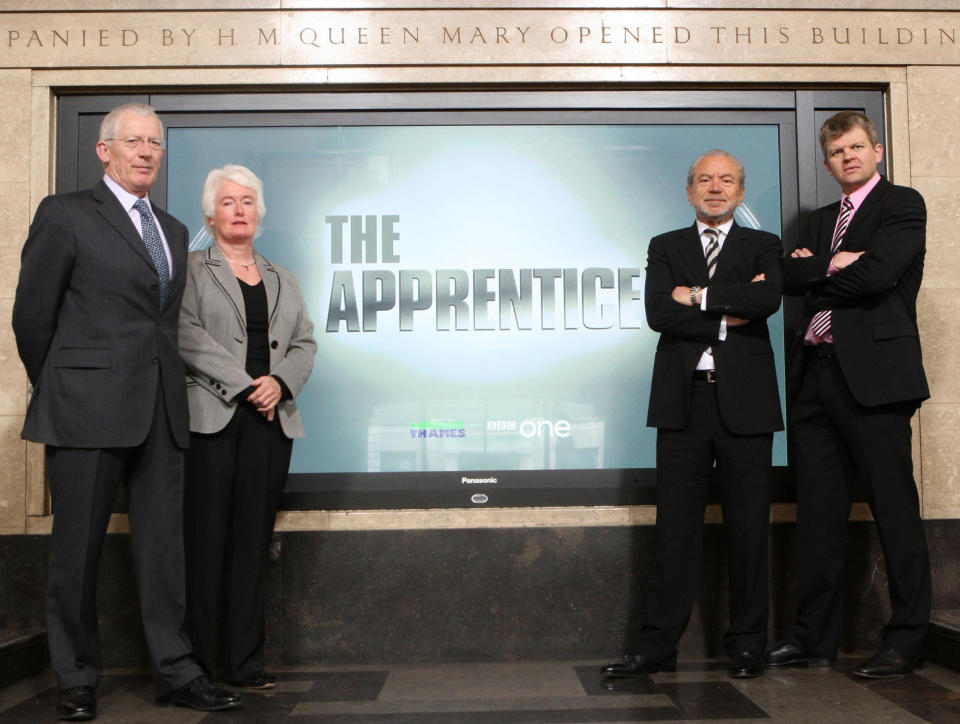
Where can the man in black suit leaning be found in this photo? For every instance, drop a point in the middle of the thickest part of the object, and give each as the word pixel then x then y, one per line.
pixel 857 378
pixel 95 319
pixel 714 400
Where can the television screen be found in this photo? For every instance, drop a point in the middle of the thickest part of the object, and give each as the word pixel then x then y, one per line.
pixel 477 295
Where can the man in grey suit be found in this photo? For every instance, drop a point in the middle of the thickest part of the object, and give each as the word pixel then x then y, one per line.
pixel 95 318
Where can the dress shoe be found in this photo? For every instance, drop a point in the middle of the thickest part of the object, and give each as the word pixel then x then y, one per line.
pixel 784 654
pixel 77 704
pixel 746 665
pixel 202 695
pixel 887 664
pixel 258 680
pixel 635 665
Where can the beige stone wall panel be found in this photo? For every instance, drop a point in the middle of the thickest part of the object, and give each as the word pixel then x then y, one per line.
pixel 477 36
pixel 12 375
pixel 139 39
pixel 89 5
pixel 938 313
pixel 15 129
pixel 14 224
pixel 248 44
pixel 12 484
pixel 941 464
pixel 943 242
pixel 934 134
pixel 38 500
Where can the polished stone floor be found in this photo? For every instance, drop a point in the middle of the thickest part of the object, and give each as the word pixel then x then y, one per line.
pixel 528 692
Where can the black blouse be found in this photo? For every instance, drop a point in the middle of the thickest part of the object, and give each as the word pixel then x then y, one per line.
pixel 258 343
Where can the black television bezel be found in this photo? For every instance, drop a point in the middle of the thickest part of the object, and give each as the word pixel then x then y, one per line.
pixel 804 186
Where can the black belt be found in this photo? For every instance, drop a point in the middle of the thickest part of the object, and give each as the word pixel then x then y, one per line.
pixel 704 375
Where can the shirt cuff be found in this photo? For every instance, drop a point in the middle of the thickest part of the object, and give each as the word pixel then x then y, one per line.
pixel 285 393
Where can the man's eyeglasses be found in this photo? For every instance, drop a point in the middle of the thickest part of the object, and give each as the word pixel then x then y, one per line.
pixel 134 142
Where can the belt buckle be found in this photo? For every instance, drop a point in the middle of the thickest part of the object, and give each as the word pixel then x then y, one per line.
pixel 711 375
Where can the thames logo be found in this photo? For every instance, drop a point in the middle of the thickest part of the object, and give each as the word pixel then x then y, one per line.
pixel 438 428
pixel 479 498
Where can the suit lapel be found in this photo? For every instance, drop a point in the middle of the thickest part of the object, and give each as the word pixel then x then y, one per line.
pixel 863 211
pixel 691 250
pixel 732 249
pixel 271 285
pixel 178 251
pixel 111 210
pixel 826 223
pixel 216 264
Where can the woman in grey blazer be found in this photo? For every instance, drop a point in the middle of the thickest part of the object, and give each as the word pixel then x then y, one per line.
pixel 247 341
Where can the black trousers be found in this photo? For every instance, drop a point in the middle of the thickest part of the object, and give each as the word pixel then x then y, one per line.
pixel 685 460
pixel 835 440
pixel 83 484
pixel 234 481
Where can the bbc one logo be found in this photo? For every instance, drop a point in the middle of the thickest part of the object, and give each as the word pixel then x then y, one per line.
pixel 532 428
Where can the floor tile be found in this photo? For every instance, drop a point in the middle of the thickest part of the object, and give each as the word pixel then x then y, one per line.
pixel 522 693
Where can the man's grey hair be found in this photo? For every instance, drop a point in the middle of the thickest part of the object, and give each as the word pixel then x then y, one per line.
pixel 240 175
pixel 110 122
pixel 741 174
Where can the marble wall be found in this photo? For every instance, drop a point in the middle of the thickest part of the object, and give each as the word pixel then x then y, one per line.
pixel 46 49
pixel 558 594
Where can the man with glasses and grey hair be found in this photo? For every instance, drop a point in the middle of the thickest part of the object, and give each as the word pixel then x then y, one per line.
pixel 95 318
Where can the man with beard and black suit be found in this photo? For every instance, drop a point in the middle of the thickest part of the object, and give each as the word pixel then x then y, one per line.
pixel 714 401
pixel 856 379
pixel 95 318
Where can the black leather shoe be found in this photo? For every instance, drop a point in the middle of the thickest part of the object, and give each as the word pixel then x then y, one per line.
pixel 259 680
pixel 635 665
pixel 202 695
pixel 746 665
pixel 887 664
pixel 77 704
pixel 784 654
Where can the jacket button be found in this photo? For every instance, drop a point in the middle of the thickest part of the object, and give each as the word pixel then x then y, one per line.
pixel 274 344
pixel 223 392
pixel 156 360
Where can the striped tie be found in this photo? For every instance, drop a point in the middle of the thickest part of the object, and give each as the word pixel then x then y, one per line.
pixel 713 250
pixel 820 324
pixel 711 253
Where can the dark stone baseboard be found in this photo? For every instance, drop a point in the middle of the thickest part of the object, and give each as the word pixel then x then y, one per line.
pixel 23 653
pixel 943 644
pixel 476 595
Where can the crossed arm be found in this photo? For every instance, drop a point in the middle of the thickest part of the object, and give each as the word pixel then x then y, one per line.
pixel 671 310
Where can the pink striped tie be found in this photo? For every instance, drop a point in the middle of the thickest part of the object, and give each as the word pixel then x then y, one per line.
pixel 820 324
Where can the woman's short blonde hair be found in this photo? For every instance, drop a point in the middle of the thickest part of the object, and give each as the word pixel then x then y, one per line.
pixel 240 175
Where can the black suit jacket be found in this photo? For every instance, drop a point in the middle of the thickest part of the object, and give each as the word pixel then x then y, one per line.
pixel 87 325
pixel 747 381
pixel 874 300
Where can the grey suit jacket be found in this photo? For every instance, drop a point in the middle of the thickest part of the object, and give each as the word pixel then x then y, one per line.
pixel 213 340
pixel 89 331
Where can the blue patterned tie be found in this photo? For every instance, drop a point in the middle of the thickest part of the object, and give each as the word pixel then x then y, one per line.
pixel 151 239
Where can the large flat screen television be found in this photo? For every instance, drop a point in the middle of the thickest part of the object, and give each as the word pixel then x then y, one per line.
pixel 476 286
